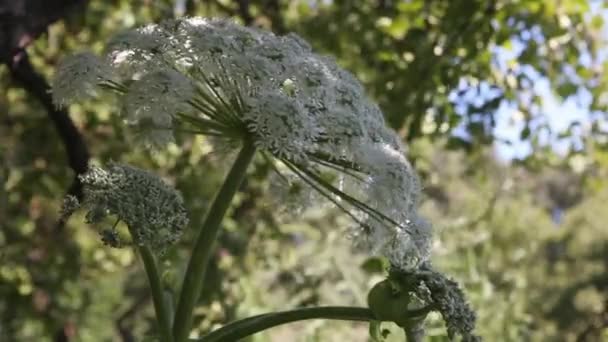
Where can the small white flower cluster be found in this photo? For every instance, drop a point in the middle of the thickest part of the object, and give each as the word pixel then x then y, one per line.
pixel 214 77
pixel 77 78
pixel 153 211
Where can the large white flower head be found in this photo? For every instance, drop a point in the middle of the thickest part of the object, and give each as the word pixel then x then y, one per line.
pixel 300 109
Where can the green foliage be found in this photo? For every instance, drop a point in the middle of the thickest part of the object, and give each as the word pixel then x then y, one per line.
pixel 433 68
pixel 438 67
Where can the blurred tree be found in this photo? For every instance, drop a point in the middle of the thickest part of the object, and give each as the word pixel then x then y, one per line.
pixel 439 69
pixel 22 22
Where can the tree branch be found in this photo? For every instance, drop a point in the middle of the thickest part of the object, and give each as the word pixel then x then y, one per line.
pixel 244 12
pixel 24 73
pixel 21 22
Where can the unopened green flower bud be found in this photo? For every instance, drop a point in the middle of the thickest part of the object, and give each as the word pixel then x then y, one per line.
pixel 388 302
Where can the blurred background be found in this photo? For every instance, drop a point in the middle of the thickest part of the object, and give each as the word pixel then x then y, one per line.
pixel 502 105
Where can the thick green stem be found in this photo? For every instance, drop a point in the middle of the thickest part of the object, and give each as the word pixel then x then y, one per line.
pixel 162 314
pixel 249 326
pixel 197 265
pixel 252 325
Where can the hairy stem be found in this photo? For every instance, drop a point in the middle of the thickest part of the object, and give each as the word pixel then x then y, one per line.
pixel 162 314
pixel 201 253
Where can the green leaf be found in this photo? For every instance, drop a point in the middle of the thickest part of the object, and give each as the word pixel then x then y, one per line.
pixel 525 133
pixel 566 89
pixel 374 265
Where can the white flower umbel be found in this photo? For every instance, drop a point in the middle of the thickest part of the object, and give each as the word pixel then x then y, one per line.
pixel 153 211
pixel 77 77
pixel 392 187
pixel 281 126
pixel 152 102
pixel 300 109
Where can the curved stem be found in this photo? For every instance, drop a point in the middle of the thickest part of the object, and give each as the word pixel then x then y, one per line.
pixel 201 253
pixel 252 325
pixel 162 314
pixel 249 326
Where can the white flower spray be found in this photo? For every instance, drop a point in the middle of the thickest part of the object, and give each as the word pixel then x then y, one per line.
pixel 302 111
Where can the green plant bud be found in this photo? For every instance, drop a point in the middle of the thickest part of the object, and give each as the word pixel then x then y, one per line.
pixel 388 303
pixel 169 279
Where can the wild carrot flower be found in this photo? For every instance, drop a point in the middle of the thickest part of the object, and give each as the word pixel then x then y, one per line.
pixel 153 211
pixel 304 113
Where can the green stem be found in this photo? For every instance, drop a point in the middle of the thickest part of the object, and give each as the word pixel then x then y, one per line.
pixel 252 325
pixel 249 326
pixel 162 314
pixel 197 265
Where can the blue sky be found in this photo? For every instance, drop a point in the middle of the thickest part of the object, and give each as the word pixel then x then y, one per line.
pixel 555 115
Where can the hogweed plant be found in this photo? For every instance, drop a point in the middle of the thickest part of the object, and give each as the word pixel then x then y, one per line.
pixel 311 122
